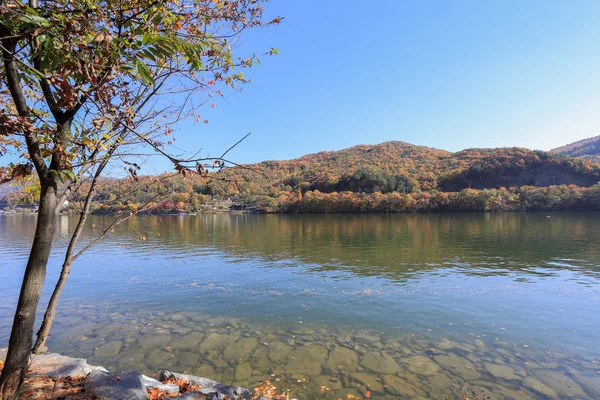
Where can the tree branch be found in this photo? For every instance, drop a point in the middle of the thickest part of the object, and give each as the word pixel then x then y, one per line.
pixel 14 86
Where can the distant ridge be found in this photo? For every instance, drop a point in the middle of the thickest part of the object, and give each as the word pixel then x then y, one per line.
pixel 586 148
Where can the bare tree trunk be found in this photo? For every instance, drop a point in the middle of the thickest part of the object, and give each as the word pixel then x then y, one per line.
pixel 19 347
pixel 42 335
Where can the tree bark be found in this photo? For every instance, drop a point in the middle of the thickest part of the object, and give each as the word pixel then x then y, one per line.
pixel 19 347
pixel 42 335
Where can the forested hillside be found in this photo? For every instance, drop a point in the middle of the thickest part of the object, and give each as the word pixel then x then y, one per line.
pixel 388 177
pixel 405 168
pixel 586 148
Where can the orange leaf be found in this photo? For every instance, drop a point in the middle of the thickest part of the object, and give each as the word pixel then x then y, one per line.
pixel 368 394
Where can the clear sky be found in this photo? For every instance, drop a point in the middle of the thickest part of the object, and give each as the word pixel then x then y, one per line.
pixel 446 74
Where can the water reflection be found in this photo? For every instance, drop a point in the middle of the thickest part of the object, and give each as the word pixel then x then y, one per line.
pixel 437 306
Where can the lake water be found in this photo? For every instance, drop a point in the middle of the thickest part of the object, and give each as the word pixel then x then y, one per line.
pixel 442 306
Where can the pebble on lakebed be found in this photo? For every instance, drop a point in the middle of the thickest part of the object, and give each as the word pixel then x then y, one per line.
pixel 327 363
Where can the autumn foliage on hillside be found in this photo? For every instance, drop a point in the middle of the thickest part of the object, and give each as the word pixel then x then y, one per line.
pixel 389 177
pixel 586 148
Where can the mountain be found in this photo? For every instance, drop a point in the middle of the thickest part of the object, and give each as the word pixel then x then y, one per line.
pixel 586 148
pixel 403 167
pixel 387 177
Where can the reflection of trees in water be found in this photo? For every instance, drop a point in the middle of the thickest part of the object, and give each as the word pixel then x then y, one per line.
pixel 395 246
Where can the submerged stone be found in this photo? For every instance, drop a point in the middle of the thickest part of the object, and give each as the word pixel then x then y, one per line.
pixel 328 381
pixel 159 358
pixel 177 317
pixel 109 349
pixel 90 344
pixel 132 359
pixel 539 387
pixel 380 362
pixel 205 370
pixel 421 365
pixel 279 351
pixel 441 381
pixel 189 342
pixel 240 350
pixel 591 383
pixel 485 393
pixel 342 358
pixel 182 330
pixel 260 359
pixel 458 366
pixel 243 371
pixel 369 380
pixel 549 364
pixel 307 360
pixel 501 371
pixel 81 329
pixel 562 384
pixel 216 341
pixel 445 345
pixel 510 394
pixel 188 359
pixel 152 340
pixel 217 359
pixel 398 385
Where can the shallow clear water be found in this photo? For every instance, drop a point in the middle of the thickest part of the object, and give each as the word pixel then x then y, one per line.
pixel 501 306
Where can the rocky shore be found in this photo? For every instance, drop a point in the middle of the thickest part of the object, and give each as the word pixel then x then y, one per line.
pixel 53 376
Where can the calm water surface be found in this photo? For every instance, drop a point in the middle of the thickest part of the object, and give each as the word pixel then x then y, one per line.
pixel 498 306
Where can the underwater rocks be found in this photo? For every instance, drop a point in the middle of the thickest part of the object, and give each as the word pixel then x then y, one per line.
pixel 369 380
pixel 242 349
pixel 399 386
pixel 243 371
pixel 563 385
pixel 501 371
pixel 342 358
pixel 307 360
pixel 330 363
pixel 380 362
pixel 279 351
pixel 217 341
pixel 539 387
pixel 421 365
pixel 458 366
pixel 109 349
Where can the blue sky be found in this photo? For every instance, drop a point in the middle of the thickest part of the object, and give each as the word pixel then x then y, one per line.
pixel 446 74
